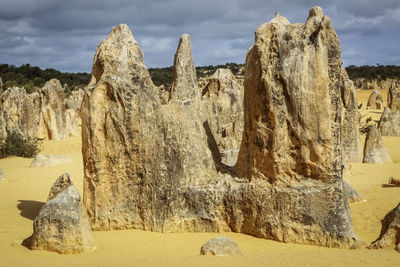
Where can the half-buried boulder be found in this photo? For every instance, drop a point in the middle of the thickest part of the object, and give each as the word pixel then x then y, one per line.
pixel 374 148
pixel 62 224
pixel 220 246
pixel 390 232
pixel 49 160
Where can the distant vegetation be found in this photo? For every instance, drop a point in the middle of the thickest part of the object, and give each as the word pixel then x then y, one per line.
pixel 379 72
pixel 17 145
pixel 32 77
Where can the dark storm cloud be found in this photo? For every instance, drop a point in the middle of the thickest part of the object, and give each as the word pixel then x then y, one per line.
pixel 64 34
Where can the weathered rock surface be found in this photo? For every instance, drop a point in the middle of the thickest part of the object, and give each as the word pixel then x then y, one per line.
pixel 390 232
pixel 374 148
pixel 393 97
pixel 223 105
pixel 62 224
pixel 52 111
pixel 1 86
pixel 375 100
pixel 149 166
pixel 72 123
pixel 389 123
pixel 49 160
pixel 351 194
pixel 220 246
pixel 74 101
pixel 17 113
pixel 3 178
pixel 155 149
pixel 350 130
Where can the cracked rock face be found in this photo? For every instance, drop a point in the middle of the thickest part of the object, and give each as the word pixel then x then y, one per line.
pixel 152 166
pixel 62 224
pixel 223 104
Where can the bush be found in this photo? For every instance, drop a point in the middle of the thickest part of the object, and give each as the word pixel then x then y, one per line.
pixel 17 145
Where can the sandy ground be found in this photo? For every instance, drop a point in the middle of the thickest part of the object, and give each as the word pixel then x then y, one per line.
pixel 27 189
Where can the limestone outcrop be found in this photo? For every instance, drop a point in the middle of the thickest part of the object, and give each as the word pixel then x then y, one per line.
pixel 390 232
pixel 152 166
pixel 72 123
pixel 375 100
pixel 223 104
pixel 389 123
pixel 17 113
pixel 393 97
pixel 62 224
pixel 220 246
pixel 374 148
pixel 52 111
pixel 350 129
pixel 74 101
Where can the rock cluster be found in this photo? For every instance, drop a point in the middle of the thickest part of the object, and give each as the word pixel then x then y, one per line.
pixel 220 246
pixel 375 100
pixel 38 115
pixel 390 231
pixel 62 224
pixel 374 148
pixel 223 103
pixel 154 166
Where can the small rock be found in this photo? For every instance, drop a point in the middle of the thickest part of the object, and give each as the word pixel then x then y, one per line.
pixel 49 160
pixel 3 178
pixel 62 224
pixel 351 194
pixel 375 100
pixel 220 246
pixel 394 181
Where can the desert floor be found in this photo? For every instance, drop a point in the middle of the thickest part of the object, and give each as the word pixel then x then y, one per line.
pixel 27 189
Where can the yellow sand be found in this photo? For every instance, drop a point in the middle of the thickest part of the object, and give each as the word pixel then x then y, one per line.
pixel 27 189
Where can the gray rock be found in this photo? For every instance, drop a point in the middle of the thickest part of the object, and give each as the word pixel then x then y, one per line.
pixel 351 194
pixel 374 148
pixel 62 224
pixel 49 160
pixel 220 246
pixel 3 178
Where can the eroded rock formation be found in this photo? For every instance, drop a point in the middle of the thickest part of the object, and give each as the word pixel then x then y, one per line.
pixel 389 123
pixel 223 104
pixel 220 246
pixel 17 113
pixel 49 160
pixel 375 100
pixel 351 194
pixel 374 148
pixel 393 97
pixel 351 141
pixel 62 224
pixel 149 166
pixel 390 232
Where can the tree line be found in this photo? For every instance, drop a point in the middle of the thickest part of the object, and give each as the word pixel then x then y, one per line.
pixel 33 77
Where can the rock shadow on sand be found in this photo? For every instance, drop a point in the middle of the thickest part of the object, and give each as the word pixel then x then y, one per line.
pixel 29 208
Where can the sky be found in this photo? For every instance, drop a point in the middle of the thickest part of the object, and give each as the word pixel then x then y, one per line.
pixel 64 34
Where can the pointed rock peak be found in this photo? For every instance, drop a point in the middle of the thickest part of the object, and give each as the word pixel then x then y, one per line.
pixel 184 88
pixel 315 11
pixel 278 19
pixel 117 55
pixel 62 183
pixel 277 14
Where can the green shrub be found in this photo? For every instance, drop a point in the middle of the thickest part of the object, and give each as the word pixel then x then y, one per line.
pixel 17 145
